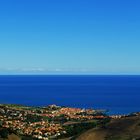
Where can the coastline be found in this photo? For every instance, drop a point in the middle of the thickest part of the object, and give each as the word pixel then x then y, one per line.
pixel 104 111
pixel 55 122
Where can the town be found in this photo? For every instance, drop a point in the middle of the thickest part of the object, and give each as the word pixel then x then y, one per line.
pixel 47 122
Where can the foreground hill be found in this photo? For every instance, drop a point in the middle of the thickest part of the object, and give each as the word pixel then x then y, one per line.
pixel 11 137
pixel 127 128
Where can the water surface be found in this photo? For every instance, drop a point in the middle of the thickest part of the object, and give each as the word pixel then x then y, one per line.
pixel 119 94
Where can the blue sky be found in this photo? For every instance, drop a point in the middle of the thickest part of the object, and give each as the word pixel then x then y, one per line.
pixel 69 36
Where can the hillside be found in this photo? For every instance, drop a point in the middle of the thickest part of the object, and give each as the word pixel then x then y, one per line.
pixel 118 129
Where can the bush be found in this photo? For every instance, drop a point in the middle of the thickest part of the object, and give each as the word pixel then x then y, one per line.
pixel 4 133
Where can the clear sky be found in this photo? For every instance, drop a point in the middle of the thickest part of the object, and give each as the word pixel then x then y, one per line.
pixel 70 36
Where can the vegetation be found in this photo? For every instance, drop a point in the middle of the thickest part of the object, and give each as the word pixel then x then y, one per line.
pixel 33 118
pixel 4 133
pixel 126 128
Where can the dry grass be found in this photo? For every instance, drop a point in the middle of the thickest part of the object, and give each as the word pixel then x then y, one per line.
pixel 119 129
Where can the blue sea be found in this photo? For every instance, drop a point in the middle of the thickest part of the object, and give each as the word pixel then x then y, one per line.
pixel 118 94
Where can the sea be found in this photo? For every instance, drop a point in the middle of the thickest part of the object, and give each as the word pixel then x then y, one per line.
pixel 118 94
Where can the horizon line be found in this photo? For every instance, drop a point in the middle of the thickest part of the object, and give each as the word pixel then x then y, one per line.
pixel 72 74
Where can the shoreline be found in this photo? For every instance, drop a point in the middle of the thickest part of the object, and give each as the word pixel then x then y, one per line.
pixel 105 111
